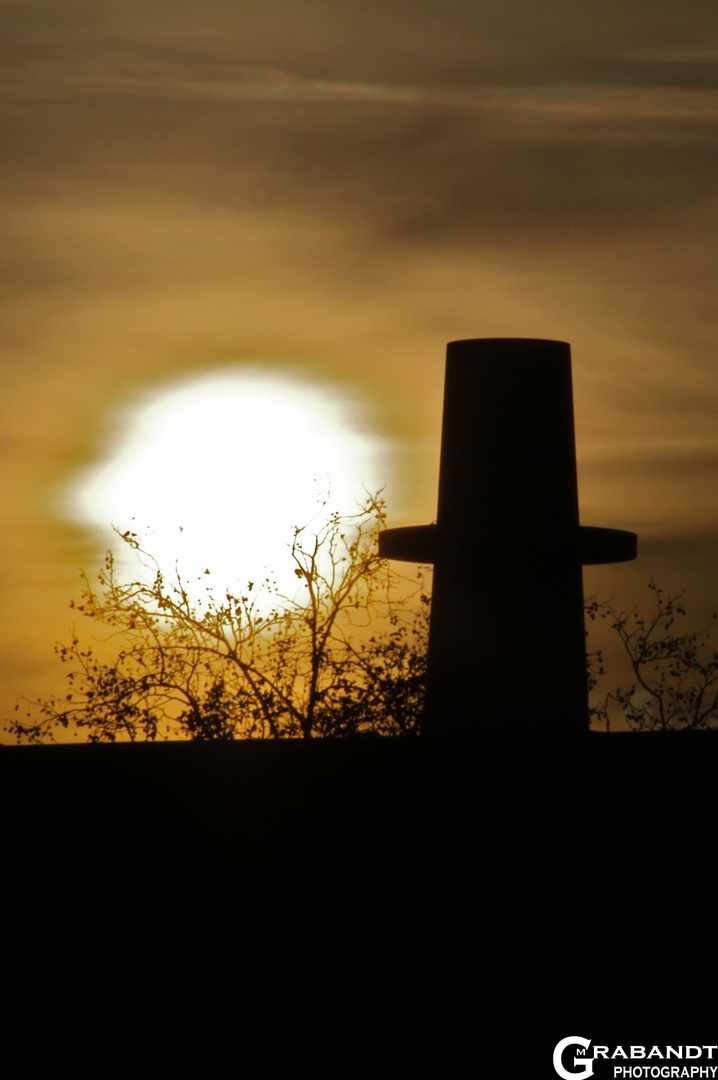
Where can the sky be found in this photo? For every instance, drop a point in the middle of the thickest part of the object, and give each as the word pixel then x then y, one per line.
pixel 334 189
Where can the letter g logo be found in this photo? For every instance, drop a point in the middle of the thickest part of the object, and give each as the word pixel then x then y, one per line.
pixel 573 1040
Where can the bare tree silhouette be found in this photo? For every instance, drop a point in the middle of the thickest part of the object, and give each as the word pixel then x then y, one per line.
pixel 675 685
pixel 344 656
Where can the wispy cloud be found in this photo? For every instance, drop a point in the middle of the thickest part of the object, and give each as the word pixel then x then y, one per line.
pixel 706 53
pixel 558 103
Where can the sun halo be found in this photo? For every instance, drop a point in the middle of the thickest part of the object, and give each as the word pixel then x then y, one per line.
pixel 213 472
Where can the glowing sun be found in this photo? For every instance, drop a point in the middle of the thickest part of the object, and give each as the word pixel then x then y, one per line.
pixel 214 471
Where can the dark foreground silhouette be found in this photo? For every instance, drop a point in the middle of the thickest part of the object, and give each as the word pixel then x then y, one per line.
pixel 367 855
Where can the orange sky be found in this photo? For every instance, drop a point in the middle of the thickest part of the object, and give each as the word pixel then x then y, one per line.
pixel 344 186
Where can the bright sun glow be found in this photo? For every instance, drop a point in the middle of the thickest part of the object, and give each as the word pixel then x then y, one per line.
pixel 214 472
